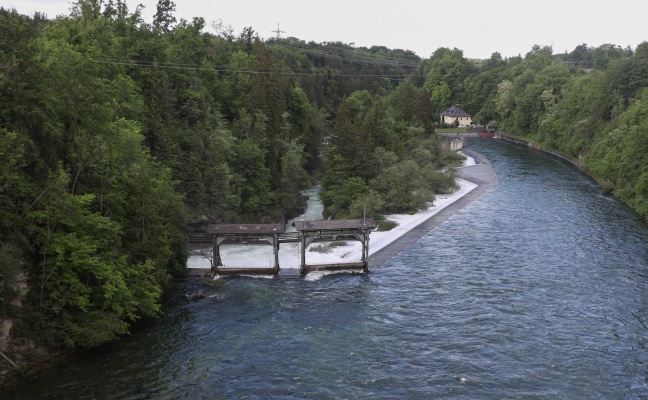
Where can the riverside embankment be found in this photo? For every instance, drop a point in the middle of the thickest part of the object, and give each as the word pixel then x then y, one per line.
pixel 524 142
pixel 478 172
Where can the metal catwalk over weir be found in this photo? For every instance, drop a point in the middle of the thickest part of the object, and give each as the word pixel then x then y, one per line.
pixel 308 232
pixel 332 230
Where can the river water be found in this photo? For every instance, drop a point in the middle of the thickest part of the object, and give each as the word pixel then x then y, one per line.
pixel 537 290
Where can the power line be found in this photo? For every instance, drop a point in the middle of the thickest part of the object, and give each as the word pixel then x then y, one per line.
pixel 310 48
pixel 264 71
pixel 278 32
pixel 322 50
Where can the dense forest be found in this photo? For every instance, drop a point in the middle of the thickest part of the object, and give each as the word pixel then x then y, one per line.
pixel 116 132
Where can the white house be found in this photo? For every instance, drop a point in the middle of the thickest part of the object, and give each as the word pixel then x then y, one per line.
pixel 455 113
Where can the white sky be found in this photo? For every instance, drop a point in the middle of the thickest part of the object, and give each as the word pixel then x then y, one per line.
pixel 478 27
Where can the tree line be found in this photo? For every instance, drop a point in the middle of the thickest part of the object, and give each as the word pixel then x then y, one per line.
pixel 589 105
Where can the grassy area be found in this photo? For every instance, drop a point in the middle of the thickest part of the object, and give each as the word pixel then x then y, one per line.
pixel 326 248
pixel 384 226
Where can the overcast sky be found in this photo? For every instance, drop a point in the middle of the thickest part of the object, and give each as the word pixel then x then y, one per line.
pixel 478 27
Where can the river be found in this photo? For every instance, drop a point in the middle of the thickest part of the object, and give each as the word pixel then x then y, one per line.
pixel 539 289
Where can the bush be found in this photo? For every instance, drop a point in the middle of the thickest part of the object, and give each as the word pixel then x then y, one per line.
pixel 326 248
pixel 384 226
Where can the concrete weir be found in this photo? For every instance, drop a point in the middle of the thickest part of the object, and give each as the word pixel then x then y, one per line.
pixel 346 229
pixel 308 232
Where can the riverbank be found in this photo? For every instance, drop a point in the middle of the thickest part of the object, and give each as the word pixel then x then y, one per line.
pixel 475 172
pixel 605 184
pixel 475 178
pixel 525 142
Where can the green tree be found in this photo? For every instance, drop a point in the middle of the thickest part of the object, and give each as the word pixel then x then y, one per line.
pixel 504 100
pixel 85 289
pixel 164 18
pixel 251 182
pixel 441 95
pixel 294 177
pixel 620 157
pixel 402 188
pixel 448 70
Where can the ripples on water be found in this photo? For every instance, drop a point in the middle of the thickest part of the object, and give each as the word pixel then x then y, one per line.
pixel 539 289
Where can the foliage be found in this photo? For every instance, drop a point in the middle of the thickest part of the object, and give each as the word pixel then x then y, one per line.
pixel 326 248
pixel 80 271
pixel 368 172
pixel 588 105
pixel 621 156
pixel 115 132
pixel 568 103
pixel 384 226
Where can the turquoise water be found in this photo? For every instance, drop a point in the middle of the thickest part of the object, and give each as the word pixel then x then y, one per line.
pixel 537 290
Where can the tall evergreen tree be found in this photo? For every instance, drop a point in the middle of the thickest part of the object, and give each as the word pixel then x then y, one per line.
pixel 164 18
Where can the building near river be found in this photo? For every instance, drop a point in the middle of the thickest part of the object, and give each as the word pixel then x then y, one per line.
pixel 454 115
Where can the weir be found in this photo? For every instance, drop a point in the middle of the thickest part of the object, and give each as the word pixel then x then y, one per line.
pixel 333 230
pixel 274 235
